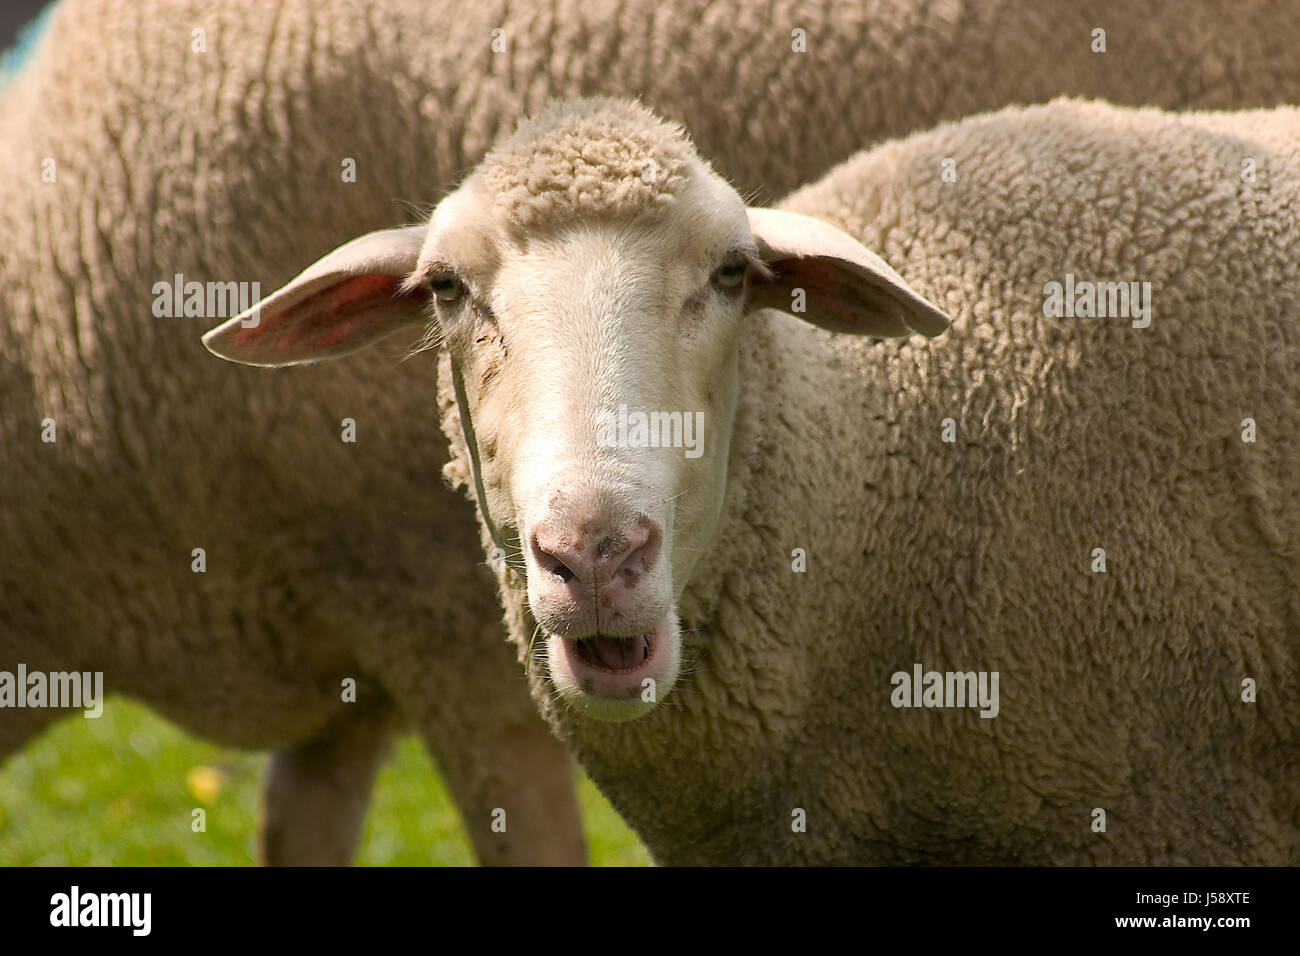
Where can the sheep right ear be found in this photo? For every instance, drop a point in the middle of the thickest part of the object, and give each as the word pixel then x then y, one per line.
pixel 344 302
pixel 846 287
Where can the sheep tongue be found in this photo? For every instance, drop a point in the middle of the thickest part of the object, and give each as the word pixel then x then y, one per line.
pixel 616 653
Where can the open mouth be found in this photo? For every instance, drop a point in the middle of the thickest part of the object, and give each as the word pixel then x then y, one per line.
pixel 615 654
pixel 616 670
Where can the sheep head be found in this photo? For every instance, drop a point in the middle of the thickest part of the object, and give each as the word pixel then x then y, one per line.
pixel 590 281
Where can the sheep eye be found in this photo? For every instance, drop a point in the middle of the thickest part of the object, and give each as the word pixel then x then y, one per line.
pixel 730 276
pixel 446 288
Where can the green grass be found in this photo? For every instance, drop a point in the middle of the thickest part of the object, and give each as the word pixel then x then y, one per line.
pixel 120 791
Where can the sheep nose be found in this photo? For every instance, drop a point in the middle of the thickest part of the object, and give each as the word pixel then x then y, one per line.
pixel 598 561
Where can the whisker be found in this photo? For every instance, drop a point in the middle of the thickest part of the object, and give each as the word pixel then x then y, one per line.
pixel 432 340
pixel 422 211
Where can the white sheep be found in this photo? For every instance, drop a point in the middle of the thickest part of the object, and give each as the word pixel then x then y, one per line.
pixel 152 139
pixel 1025 593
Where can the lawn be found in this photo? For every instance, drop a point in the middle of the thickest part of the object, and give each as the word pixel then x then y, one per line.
pixel 120 791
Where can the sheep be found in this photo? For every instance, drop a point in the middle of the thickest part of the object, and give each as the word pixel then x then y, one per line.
pixel 1079 511
pixel 149 140
pixel 200 534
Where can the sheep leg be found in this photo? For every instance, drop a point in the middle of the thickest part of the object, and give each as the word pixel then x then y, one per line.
pixel 316 793
pixel 514 785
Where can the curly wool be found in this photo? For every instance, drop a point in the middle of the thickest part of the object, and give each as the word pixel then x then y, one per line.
pixel 588 157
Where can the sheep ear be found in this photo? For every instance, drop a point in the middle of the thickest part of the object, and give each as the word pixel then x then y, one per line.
pixel 846 286
pixel 340 304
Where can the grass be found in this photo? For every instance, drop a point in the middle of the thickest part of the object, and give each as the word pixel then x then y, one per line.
pixel 121 791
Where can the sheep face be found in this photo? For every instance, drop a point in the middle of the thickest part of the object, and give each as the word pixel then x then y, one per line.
pixel 595 360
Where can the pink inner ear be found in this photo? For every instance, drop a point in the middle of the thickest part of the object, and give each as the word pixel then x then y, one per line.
pixel 837 300
pixel 823 283
pixel 826 288
pixel 337 315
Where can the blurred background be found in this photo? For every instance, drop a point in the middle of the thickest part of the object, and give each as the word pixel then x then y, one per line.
pixel 20 22
pixel 121 790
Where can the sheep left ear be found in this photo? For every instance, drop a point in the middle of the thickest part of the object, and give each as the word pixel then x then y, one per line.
pixel 847 287
pixel 338 305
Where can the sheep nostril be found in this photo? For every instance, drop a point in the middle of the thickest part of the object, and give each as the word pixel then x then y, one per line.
pixel 552 561
pixel 642 558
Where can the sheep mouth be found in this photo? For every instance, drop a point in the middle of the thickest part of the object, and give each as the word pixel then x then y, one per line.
pixel 627 673
pixel 615 655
